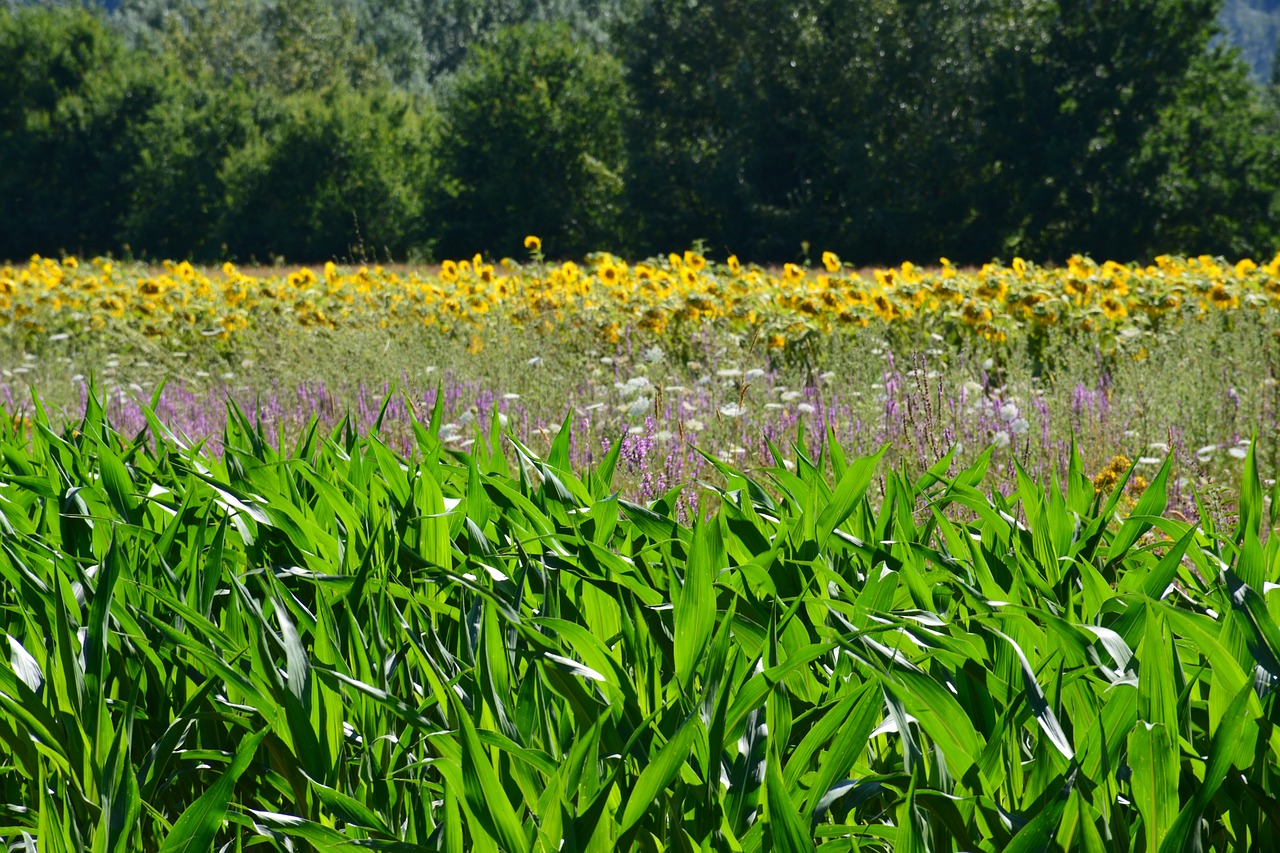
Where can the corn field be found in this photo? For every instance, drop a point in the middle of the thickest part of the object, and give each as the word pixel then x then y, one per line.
pixel 333 646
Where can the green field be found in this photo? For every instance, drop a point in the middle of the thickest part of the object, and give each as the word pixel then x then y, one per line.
pixel 328 645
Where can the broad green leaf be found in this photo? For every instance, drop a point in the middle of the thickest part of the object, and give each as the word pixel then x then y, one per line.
pixel 1153 759
pixel 851 489
pixel 197 827
pixel 658 774
pixel 695 601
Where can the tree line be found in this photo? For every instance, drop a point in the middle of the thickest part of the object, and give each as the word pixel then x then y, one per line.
pixel 260 130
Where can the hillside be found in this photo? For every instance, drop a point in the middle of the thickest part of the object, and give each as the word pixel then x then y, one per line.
pixel 1254 27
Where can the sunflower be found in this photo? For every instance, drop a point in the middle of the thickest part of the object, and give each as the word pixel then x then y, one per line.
pixel 1222 298
pixel 609 274
pixel 695 261
pixel 1114 307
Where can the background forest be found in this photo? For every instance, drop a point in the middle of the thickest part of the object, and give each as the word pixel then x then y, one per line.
pixel 261 130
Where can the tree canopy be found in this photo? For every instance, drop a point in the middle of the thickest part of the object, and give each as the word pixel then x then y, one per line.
pixel 882 129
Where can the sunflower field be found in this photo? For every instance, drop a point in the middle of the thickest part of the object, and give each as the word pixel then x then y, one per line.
pixel 606 295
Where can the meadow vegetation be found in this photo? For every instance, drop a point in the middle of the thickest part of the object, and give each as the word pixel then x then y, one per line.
pixel 1175 358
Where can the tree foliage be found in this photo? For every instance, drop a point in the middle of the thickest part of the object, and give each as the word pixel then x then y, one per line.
pixel 71 96
pixel 535 144
pixel 882 129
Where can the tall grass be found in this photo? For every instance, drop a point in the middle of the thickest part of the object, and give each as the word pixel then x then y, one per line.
pixel 329 645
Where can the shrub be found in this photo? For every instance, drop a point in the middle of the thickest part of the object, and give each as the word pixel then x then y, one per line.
pixel 332 174
pixel 73 96
pixel 535 144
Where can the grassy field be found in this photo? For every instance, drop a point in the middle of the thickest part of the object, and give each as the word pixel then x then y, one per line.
pixel 563 576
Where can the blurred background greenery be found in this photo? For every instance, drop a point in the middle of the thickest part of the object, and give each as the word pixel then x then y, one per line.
pixel 264 130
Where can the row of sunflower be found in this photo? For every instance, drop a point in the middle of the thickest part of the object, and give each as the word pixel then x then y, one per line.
pixel 606 296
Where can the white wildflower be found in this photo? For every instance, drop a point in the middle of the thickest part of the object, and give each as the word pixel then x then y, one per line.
pixel 632 385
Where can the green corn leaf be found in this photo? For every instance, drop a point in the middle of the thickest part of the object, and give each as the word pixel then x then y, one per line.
pixel 1250 496
pixel 1157 690
pixel 853 486
pixel 1037 834
pixel 658 774
pixel 1039 705
pixel 52 830
pixel 1255 622
pixel 1159 579
pixel 317 836
pixel 1152 504
pixel 349 809
pixel 197 827
pixel 784 830
pixel 1153 759
pixel 558 455
pixel 117 482
pixel 910 838
pixel 484 793
pixel 695 605
pixel 940 715
pixel 1222 752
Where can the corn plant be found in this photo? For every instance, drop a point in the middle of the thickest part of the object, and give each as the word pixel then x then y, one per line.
pixel 328 646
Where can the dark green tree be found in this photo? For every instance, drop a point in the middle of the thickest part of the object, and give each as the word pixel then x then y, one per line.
pixel 1072 92
pixel 534 144
pixel 73 98
pixel 906 128
pixel 1214 162
pixel 334 174
pixel 283 46
pixel 177 192
pixel 763 125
